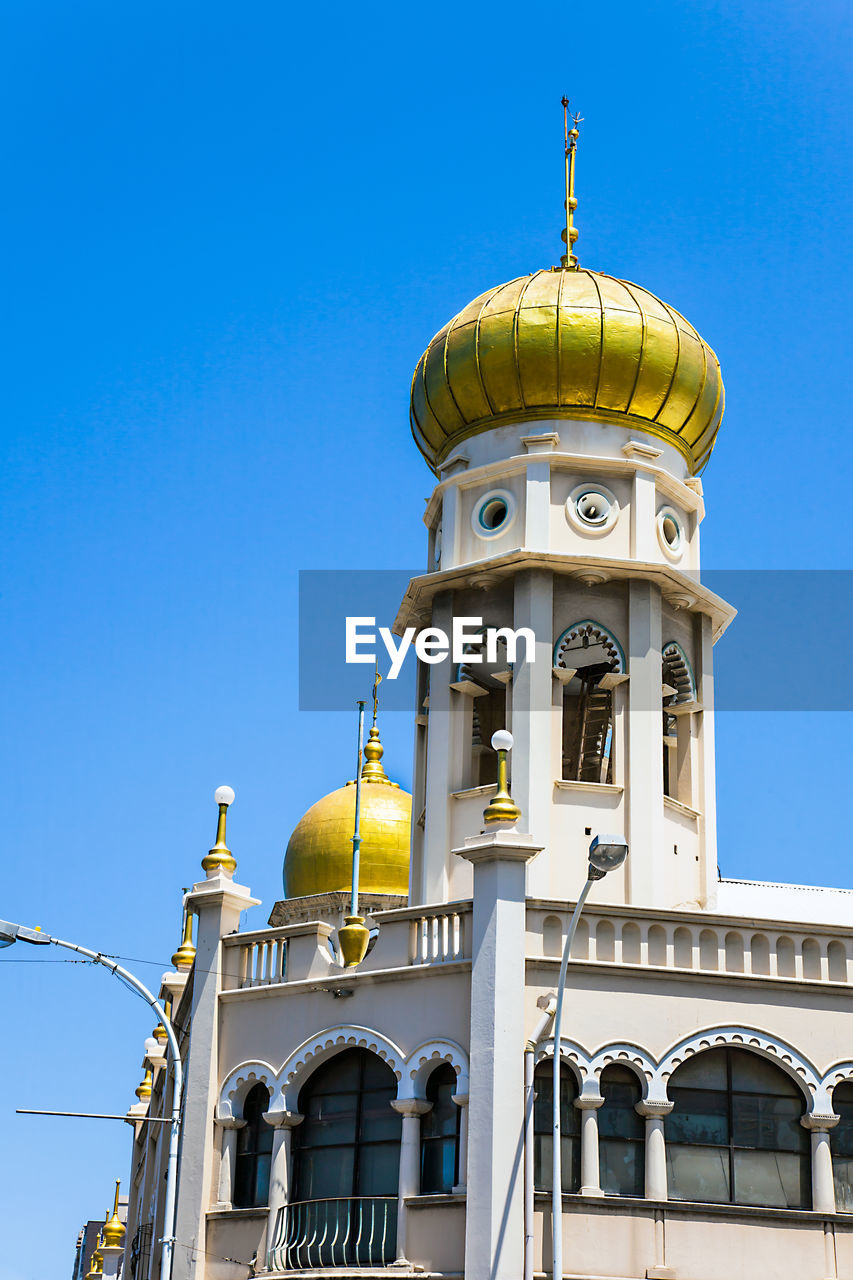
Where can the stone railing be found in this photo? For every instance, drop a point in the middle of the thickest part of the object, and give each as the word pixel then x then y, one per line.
pixel 705 944
pixel 439 936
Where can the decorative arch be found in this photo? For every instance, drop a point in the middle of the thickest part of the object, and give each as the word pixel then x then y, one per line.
pixel 574 1057
pixel 840 1073
pixel 239 1083
pixel 679 671
pixel 625 1055
pixel 583 634
pixel 311 1053
pixel 801 1071
pixel 422 1061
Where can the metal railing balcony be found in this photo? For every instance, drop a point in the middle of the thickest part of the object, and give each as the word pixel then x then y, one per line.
pixel 360 1231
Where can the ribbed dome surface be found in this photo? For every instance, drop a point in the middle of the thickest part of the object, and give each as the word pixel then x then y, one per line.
pixel 568 344
pixel 319 853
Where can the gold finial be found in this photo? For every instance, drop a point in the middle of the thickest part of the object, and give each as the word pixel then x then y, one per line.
pixel 143 1089
pixel 159 1032
pixel 372 770
pixel 114 1229
pixel 185 954
pixel 569 233
pixel 220 857
pixel 502 808
pixel 376 683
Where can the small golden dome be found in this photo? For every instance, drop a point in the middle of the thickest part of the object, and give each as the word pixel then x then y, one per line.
pixel 114 1230
pixel 568 344
pixel 144 1089
pixel 319 853
pixel 185 954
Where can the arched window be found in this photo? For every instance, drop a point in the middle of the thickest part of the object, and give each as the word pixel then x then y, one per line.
pixel 254 1152
pixel 440 1133
pixel 841 1143
pixel 346 1159
pixel 734 1133
pixel 621 1133
pixel 591 658
pixel 543 1086
pixel 677 688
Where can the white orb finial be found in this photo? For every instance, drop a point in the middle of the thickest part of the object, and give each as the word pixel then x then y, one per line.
pixel 502 740
pixel 224 795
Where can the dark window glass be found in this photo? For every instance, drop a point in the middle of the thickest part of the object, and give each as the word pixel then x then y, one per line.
pixel 621 1134
pixel 440 1133
pixel 254 1152
pixel 841 1142
pixel 543 1085
pixel 734 1134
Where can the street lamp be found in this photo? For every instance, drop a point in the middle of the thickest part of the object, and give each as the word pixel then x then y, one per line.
pixel 11 933
pixel 606 853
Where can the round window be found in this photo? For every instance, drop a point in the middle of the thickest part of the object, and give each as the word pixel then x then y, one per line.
pixel 493 514
pixel 670 533
pixel 592 508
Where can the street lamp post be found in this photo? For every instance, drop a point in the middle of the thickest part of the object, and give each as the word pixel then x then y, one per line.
pixel 11 933
pixel 606 853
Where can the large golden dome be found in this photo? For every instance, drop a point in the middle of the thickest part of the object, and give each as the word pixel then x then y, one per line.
pixel 568 343
pixel 319 853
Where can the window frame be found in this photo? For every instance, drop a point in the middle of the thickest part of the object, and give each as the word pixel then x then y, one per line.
pixel 441 1140
pixel 256 1133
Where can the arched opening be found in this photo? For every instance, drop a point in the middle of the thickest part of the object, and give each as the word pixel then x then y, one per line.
pixel 346 1159
pixel 678 689
pixel 841 1143
pixel 254 1152
pixel 590 656
pixel 621 1133
pixel 543 1108
pixel 440 1133
pixel 734 1133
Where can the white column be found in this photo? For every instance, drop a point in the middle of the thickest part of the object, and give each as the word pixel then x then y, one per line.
pixel 461 1100
pixel 229 1126
pixel 409 1184
pixel 590 1171
pixel 648 883
pixel 706 791
pixel 532 763
pixel 494 1225
pixel 112 1255
pixel 283 1122
pixel 823 1182
pixel 443 755
pixel 218 903
pixel 654 1113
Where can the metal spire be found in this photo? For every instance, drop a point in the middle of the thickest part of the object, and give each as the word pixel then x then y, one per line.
pixel 569 233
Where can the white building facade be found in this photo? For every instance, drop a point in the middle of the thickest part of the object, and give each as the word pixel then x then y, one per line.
pixel 396 1116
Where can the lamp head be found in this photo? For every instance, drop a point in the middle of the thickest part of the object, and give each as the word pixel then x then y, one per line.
pixel 502 740
pixel 10 933
pixel 606 853
pixel 224 795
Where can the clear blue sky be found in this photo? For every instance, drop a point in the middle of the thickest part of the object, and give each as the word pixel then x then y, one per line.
pixel 229 231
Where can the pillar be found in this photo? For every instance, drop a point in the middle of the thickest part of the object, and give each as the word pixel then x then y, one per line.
pixel 409 1184
pixel 823 1181
pixel 494 1227
pixel 532 764
pixel 283 1122
pixel 590 1172
pixel 654 1113
pixel 229 1126
pixel 112 1255
pixel 461 1100
pixel 648 882
pixel 217 902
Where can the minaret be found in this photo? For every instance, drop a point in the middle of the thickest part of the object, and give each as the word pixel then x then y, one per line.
pixel 567 415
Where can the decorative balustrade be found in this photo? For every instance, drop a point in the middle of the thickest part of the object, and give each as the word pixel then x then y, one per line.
pixel 262 962
pixel 438 936
pixel 357 1232
pixel 704 945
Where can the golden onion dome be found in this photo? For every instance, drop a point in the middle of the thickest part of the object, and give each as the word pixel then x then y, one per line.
pixel 568 343
pixel 113 1230
pixel 319 853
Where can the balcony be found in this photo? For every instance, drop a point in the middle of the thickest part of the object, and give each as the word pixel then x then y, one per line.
pixel 356 1232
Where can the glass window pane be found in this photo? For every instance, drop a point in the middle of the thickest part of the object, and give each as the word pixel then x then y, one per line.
pixel 438 1166
pixel 751 1074
pixel 769 1123
pixel 262 1180
pixel 543 1101
pixel 570 1165
pixel 378 1170
pixel 622 1167
pixel 773 1178
pixel 621 1091
pixel 698 1173
pixel 339 1075
pixel 704 1071
pixel 379 1120
pixel 841 1137
pixel 325 1173
pixel 698 1116
pixel 377 1074
pixel 842 1168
